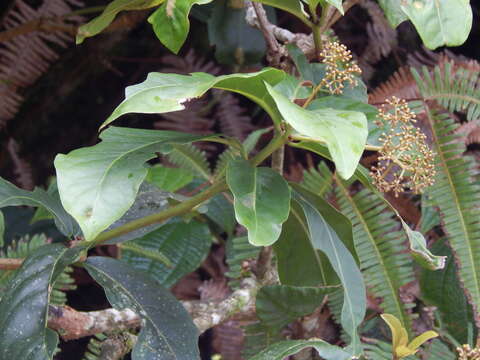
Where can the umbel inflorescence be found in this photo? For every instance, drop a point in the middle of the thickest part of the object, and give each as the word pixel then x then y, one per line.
pixel 465 352
pixel 406 162
pixel 340 68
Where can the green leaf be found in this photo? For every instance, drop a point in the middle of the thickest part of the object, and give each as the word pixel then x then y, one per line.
pixel 170 22
pixel 99 23
pixel 442 289
pixel 294 250
pixel 281 350
pixel 161 93
pixel 90 179
pixel 23 307
pixel 221 212
pixel 261 200
pixel 235 41
pixel 167 331
pixel 294 7
pixel 393 12
pixel 336 3
pixel 10 195
pixel 190 157
pixel 185 245
pixel 417 242
pixel 440 22
pixel 2 229
pixel 279 305
pixel 344 132
pixel 326 239
pixel 168 178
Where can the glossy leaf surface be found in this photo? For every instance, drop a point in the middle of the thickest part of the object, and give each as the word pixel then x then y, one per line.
pixel 168 332
pixel 23 308
pixel 344 132
pixel 91 179
pixel 185 245
pixel 161 93
pixel 168 178
pixel 261 200
pixel 393 12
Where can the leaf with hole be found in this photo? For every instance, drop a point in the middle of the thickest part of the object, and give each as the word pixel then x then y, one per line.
pixel 90 179
pixel 261 200
pixel 168 331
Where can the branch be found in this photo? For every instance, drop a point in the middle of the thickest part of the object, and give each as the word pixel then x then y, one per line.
pixel 72 324
pixel 10 264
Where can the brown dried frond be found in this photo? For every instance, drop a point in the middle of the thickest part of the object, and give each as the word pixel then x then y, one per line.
pixel 406 162
pixel 470 132
pixel 22 168
pixel 231 116
pixel 465 352
pixel 228 340
pixel 340 67
pixel 26 57
pixel 188 64
pixel 401 84
pixel 381 38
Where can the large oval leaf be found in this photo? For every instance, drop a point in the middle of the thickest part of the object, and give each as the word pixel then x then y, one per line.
pixel 168 332
pixel 393 11
pixel 344 132
pixel 23 308
pixel 440 22
pixel 326 239
pixel 185 245
pixel 161 93
pixel 261 200
pixel 170 22
pixel 98 184
pixel 281 350
pixel 10 195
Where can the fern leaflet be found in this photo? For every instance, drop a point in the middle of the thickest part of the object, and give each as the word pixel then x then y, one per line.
pixel 188 156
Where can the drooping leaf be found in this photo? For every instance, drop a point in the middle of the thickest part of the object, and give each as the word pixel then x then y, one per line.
pixel 281 350
pixel 161 93
pixel 170 22
pixel 184 245
pixel 24 306
pixel 393 12
pixel 168 178
pixel 90 180
pixel 10 195
pixel 95 26
pixel 380 247
pixel 261 200
pixel 440 22
pixel 168 331
pixel 325 239
pixel 235 41
pixel 417 242
pixel 278 305
pixel 344 132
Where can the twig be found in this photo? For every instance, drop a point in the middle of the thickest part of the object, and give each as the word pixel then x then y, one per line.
pixel 72 324
pixel 10 264
pixel 117 346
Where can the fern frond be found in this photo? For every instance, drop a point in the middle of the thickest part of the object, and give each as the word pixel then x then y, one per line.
pixel 223 161
pixel 318 180
pixel 239 250
pixel 457 196
pixel 380 246
pixel 64 282
pixel 94 347
pixel 456 89
pixel 401 84
pixel 189 157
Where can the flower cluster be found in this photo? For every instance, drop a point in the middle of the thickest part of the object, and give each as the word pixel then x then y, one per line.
pixel 467 353
pixel 406 163
pixel 340 67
